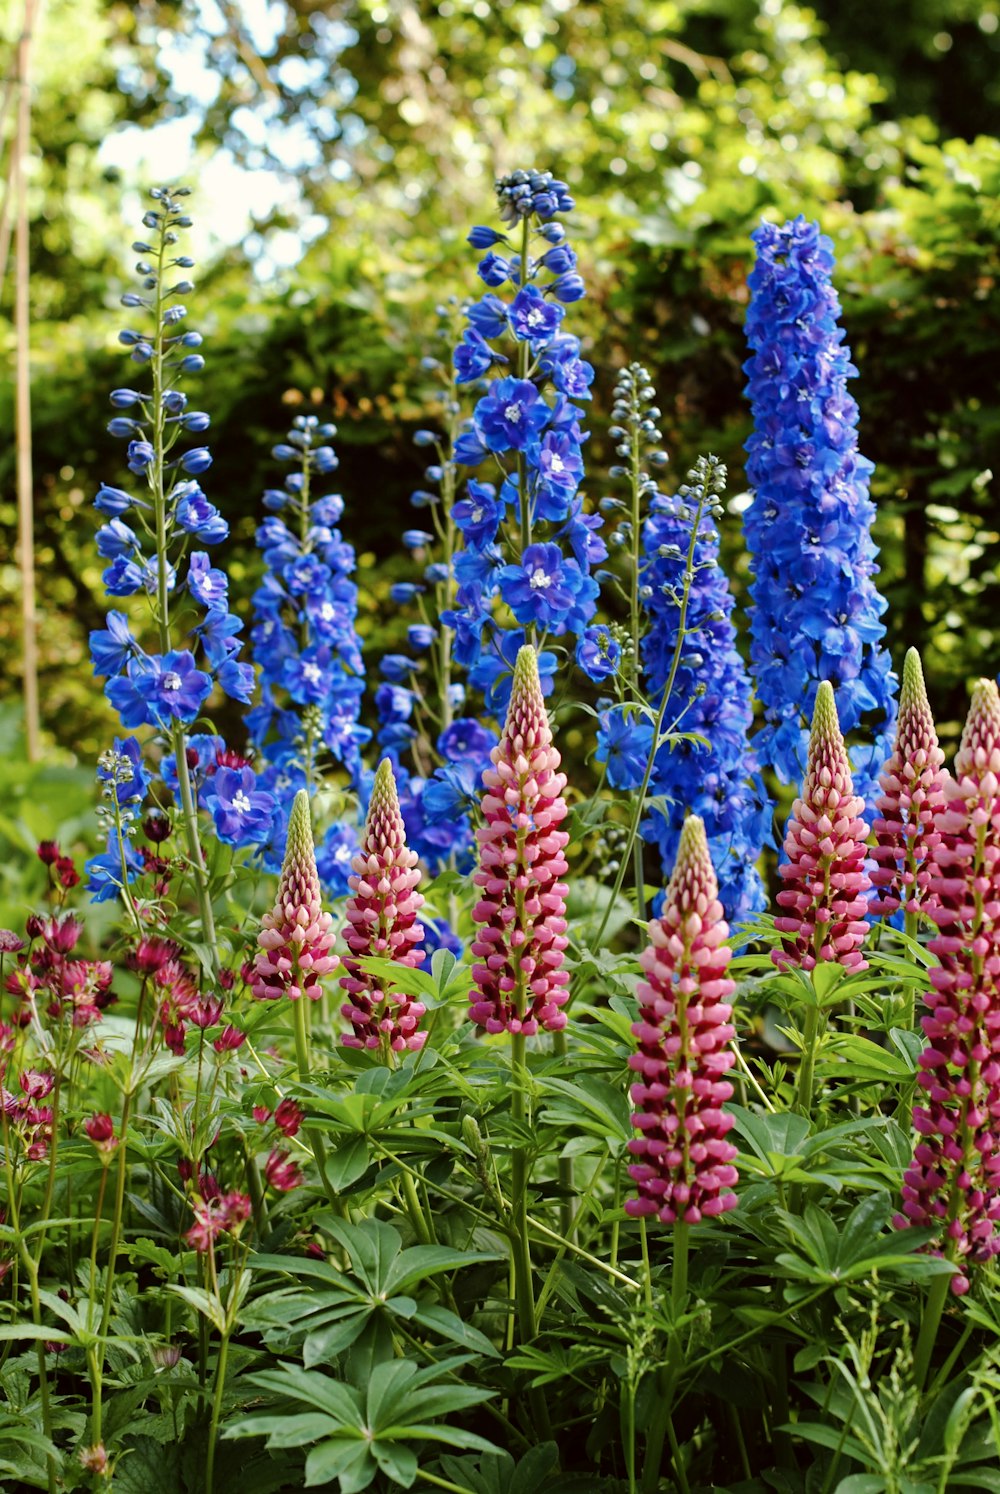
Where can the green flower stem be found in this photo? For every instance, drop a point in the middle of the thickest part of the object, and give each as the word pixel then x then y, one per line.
pixel 189 809
pixel 569 1235
pixel 640 797
pixel 593 1260
pixel 519 1193
pixel 523 356
pixel 50 1179
pixel 669 1376
pixel 415 1210
pixel 116 1220
pixel 213 1429
pixel 315 1139
pixel 911 927
pixel 807 1067
pixel 567 1185
pixel 634 471
pixel 36 1306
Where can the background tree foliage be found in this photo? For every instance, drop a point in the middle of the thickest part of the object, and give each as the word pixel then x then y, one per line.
pixel 678 124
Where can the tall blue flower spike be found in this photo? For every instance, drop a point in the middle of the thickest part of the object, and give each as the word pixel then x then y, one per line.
pixel 178 641
pixel 711 778
pixel 306 646
pixel 816 611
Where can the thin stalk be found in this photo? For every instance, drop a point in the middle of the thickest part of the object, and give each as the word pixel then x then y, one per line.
pixel 315 1139
pixel 22 328
pixel 519 1194
pixel 640 798
pixel 807 1068
pixel 116 1220
pixel 911 927
pixel 567 1185
pixel 36 1305
pixel 213 1429
pixel 930 1323
pixel 636 486
pixel 669 1376
pixel 523 356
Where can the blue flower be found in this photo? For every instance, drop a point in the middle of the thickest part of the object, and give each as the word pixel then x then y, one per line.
pixel 171 688
pixel 598 654
pixel 510 415
pixel 197 516
pixel 334 857
pixel 532 318
pixel 206 583
pixel 123 577
pixel 473 357
pixel 547 589
pixel 624 743
pixel 241 811
pixel 488 316
pixel 451 792
pixel 466 741
pixel 816 611
pixel 113 646
pixel 711 697
pixel 108 874
pixel 125 754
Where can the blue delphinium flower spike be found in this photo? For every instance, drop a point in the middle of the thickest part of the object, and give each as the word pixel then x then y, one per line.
pixel 816 611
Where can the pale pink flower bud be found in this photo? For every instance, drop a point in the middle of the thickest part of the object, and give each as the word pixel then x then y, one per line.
pixel 824 870
pixel 382 921
pixel 295 939
pixel 520 983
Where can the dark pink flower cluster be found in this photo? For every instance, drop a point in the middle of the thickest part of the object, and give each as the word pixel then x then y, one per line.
pixel 912 784
pixel 382 922
pixel 684 1167
pixel 26 1116
pixel 46 979
pixel 953 1184
pixel 295 939
pixel 520 983
pixel 824 870
pixel 280 1171
pixel 215 1214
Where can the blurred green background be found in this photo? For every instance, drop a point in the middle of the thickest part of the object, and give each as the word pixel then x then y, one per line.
pixel 338 153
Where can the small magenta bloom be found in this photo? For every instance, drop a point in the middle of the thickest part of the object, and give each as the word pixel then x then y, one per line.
pixel 912 794
pixel 824 870
pixel 684 1168
pixel 295 939
pixel 953 1183
pixel 382 921
pixel 520 983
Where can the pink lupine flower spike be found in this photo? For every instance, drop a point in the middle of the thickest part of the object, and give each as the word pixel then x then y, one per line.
pixel 824 870
pixel 953 1183
pixel 684 1164
pixel 382 921
pixel 520 983
pixel 295 939
pixel 912 794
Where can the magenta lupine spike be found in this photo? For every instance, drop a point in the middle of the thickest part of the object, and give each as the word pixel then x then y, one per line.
pixel 684 1168
pixel 953 1184
pixel 912 794
pixel 824 867
pixel 520 983
pixel 295 939
pixel 382 921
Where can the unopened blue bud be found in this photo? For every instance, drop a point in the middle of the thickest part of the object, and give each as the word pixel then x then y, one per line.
pixel 197 460
pixel 131 299
pixel 417 539
pixel 197 420
pixel 123 398
pixel 122 426
pixel 193 363
pixel 425 438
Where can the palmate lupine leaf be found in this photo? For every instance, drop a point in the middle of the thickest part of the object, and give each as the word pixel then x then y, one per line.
pixel 359 1432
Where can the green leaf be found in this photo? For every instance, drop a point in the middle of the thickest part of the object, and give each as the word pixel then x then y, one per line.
pixel 347 1162
pixel 316 1390
pixel 210 1307
pixel 350 1462
pixel 420 1261
pixel 454 1328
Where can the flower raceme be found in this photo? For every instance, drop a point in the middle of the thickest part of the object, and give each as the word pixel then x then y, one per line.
pixel 953 1183
pixel 382 921
pixel 824 871
pixel 684 1164
pixel 295 938
pixel 912 795
pixel 816 610
pixel 520 984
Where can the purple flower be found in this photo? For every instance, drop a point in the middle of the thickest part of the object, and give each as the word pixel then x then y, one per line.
pixel 207 585
pixel 241 811
pixel 624 743
pixel 598 654
pixel 113 646
pixel 510 415
pixel 466 741
pixel 171 688
pixel 532 318
pixel 545 588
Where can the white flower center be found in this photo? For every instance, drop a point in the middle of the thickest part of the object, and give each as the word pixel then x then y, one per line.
pixel 535 317
pixel 342 853
pixel 241 803
pixel 326 612
pixel 312 673
pixel 512 413
pixel 171 680
pixel 477 514
pixel 540 579
pixel 557 464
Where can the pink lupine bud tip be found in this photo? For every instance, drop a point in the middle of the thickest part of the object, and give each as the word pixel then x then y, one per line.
pixel 824 871
pixel 684 1170
pixel 382 922
pixel 519 981
pixel 912 795
pixel 953 1183
pixel 295 939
